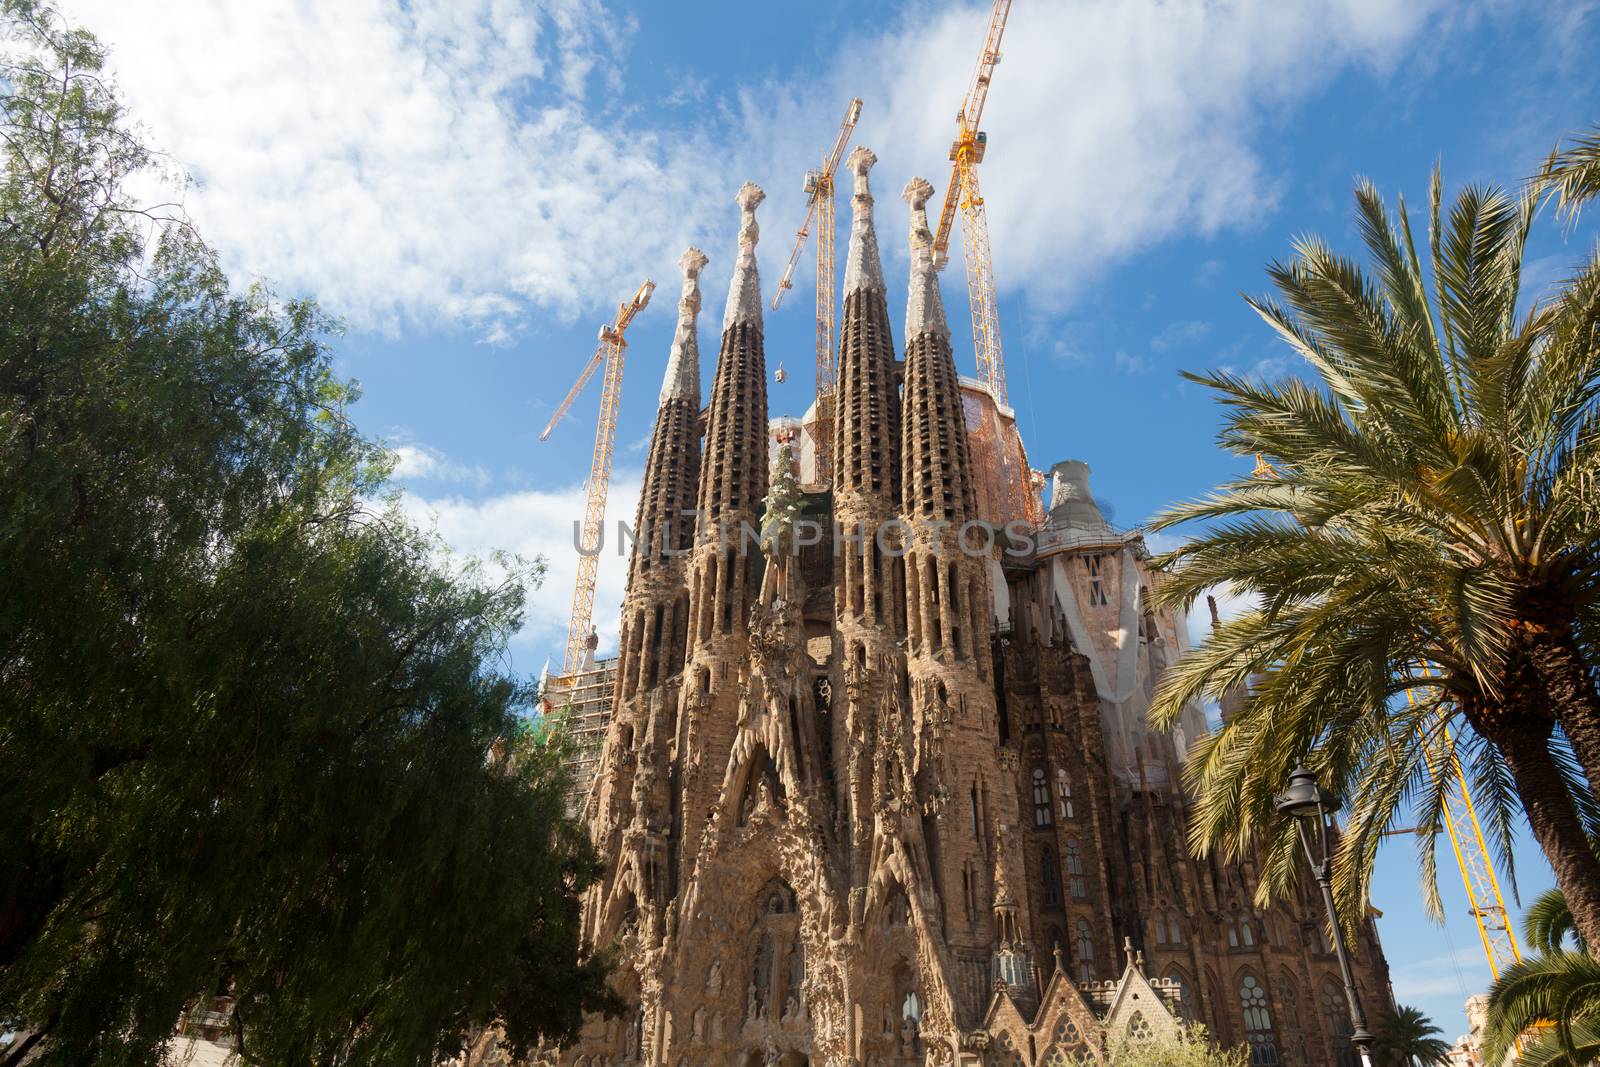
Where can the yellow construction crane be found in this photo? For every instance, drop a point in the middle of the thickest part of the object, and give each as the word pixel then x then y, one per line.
pixel 819 206
pixel 612 350
pixel 1485 902
pixel 965 155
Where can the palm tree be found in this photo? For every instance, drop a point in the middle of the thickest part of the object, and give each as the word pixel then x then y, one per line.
pixel 1408 1038
pixel 1563 989
pixel 1552 1000
pixel 1423 545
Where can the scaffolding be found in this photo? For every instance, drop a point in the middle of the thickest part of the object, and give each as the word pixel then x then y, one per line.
pixel 581 702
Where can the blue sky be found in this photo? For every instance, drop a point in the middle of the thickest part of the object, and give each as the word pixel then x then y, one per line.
pixel 473 186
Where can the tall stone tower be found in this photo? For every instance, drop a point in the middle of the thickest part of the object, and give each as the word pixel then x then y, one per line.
pixel 868 583
pixel 630 808
pixel 886 796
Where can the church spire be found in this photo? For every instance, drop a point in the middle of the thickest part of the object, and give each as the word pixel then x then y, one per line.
pixel 744 292
pixel 683 360
pixel 862 269
pixel 924 308
pixel 936 472
pixel 866 472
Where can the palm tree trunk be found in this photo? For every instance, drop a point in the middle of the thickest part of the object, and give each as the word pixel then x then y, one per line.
pixel 1570 696
pixel 1524 741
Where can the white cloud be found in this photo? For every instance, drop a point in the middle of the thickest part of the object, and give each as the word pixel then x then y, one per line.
pixel 537 523
pixel 1179 335
pixel 1113 123
pixel 1436 976
pixel 437 160
pixel 441 161
pixel 1132 364
pixel 419 463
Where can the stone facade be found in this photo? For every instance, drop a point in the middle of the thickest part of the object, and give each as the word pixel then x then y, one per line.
pixel 891 799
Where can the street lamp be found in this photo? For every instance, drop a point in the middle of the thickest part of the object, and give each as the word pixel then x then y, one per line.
pixel 1308 803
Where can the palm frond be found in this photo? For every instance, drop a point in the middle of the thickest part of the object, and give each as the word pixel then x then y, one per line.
pixel 1572 174
pixel 1562 989
pixel 1548 924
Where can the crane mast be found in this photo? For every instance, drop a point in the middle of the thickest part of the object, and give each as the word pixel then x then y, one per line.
pixel 963 191
pixel 820 206
pixel 1486 903
pixel 611 351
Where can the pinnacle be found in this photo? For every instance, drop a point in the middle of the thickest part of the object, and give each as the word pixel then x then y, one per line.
pixel 863 268
pixel 682 378
pixel 924 308
pixel 744 290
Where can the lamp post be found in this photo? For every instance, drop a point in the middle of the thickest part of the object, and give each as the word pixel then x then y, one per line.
pixel 1308 803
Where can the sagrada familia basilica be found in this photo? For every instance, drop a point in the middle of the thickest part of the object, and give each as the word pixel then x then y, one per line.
pixel 887 795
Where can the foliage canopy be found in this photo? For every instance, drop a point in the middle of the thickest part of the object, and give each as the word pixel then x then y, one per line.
pixel 253 736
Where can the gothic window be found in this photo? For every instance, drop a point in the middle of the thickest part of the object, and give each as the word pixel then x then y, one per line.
pixel 1049 877
pixel 1240 934
pixel 1174 931
pixel 1288 1001
pixel 1067 1047
pixel 1257 1022
pixel 1160 925
pixel 1085 952
pixel 1063 793
pixel 1139 1028
pixel 1041 798
pixel 1008 1056
pixel 1185 996
pixel 1336 1021
pixel 1079 886
pixel 1097 595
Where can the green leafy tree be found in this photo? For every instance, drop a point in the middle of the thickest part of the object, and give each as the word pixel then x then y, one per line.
pixel 1189 1048
pixel 1421 551
pixel 1408 1038
pixel 252 737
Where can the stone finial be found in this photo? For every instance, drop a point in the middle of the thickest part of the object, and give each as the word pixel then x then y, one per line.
pixel 1211 603
pixel 917 193
pixel 1056 952
pixel 863 268
pixel 1127 950
pixel 744 291
pixel 924 308
pixel 860 162
pixel 683 360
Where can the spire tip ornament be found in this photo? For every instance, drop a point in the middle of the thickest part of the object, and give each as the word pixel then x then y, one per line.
pixel 744 291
